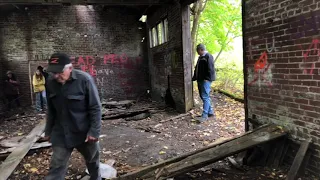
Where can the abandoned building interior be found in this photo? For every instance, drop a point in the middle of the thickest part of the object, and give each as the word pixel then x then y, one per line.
pixel 142 48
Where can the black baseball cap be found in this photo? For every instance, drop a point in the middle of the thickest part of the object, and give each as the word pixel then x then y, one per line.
pixel 57 62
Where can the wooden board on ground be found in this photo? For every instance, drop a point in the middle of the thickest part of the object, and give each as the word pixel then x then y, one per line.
pixel 12 161
pixel 126 103
pixel 210 154
pixel 125 114
pixel 34 146
pixel 295 168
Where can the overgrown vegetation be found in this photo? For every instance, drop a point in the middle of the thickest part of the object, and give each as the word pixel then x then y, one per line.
pixel 218 25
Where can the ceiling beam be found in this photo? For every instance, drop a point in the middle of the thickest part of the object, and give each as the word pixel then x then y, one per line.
pixel 85 2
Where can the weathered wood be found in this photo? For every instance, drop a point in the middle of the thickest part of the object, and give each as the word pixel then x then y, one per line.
pixel 114 104
pixel 280 149
pixel 11 142
pixel 125 114
pixel 139 117
pixel 176 117
pixel 35 146
pixel 149 170
pixel 11 162
pixel 148 129
pixel 214 154
pixel 295 168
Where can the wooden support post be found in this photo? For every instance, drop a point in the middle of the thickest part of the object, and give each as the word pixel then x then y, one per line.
pixel 295 168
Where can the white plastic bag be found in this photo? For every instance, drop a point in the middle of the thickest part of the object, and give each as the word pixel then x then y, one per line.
pixel 107 171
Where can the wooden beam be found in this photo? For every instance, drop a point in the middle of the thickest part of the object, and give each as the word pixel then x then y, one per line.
pixel 295 168
pixel 148 172
pixel 12 161
pixel 217 153
pixel 85 2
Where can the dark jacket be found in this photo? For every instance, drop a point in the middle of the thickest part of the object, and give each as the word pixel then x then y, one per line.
pixel 74 110
pixel 205 69
pixel 11 86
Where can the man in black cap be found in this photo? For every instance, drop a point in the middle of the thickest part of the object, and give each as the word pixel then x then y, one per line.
pixel 74 117
pixel 204 74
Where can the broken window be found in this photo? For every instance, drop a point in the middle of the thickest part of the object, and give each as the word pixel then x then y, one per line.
pixel 159 34
pixel 165 24
pixel 154 37
pixel 150 38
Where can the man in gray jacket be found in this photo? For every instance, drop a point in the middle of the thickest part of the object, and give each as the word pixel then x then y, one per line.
pixel 74 117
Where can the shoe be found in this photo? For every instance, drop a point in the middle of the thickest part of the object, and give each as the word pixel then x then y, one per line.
pixel 210 115
pixel 201 119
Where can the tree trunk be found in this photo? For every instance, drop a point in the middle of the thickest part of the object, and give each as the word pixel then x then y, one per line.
pixel 196 11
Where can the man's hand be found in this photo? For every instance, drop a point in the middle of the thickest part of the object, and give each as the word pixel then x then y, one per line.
pixel 91 139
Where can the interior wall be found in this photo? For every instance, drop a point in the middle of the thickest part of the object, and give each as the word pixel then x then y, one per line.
pixel 103 41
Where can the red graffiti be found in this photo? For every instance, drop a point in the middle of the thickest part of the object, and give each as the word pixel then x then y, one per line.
pixel 261 67
pixel 312 48
pixel 86 64
pixel 261 63
pixel 114 58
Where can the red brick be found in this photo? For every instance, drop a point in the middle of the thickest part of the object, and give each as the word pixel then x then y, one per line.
pixel 314 103
pixel 302 101
pixel 308 108
pixel 312 114
pixel 299 123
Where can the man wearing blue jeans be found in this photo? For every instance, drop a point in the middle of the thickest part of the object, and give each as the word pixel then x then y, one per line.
pixel 204 74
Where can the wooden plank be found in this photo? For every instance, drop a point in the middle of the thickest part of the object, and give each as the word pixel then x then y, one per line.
pixel 212 155
pixel 12 161
pixel 295 168
pixel 281 148
pixel 147 170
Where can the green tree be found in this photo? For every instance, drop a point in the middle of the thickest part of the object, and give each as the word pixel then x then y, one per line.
pixel 220 23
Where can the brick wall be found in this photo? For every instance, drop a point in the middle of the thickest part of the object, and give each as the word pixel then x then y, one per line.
pixel 166 59
pixel 103 41
pixel 282 65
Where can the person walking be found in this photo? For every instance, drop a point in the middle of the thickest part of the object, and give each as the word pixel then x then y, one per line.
pixel 74 117
pixel 38 82
pixel 11 90
pixel 204 74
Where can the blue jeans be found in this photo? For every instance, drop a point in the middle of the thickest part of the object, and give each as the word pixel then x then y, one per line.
pixel 41 97
pixel 204 88
pixel 61 155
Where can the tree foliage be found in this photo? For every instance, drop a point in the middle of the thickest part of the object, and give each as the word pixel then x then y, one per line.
pixel 219 24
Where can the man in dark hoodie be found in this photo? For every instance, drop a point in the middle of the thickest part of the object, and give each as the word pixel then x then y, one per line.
pixel 204 74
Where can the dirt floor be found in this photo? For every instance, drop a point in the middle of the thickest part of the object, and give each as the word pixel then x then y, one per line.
pixel 135 144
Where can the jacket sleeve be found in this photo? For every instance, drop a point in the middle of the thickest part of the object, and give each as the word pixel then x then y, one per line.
pixel 211 70
pixel 94 108
pixel 34 81
pixel 50 117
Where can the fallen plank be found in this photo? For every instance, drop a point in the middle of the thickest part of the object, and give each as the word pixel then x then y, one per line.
pixel 149 169
pixel 114 104
pixel 139 117
pixel 125 114
pixel 12 161
pixel 18 117
pixel 11 142
pixel 35 146
pixel 295 168
pixel 212 155
pixel 176 117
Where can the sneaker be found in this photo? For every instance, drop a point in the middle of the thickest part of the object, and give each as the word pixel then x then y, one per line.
pixel 201 119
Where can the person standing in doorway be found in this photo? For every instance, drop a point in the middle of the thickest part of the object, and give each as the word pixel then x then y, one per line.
pixel 11 89
pixel 204 74
pixel 45 75
pixel 38 82
pixel 74 117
